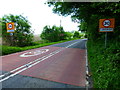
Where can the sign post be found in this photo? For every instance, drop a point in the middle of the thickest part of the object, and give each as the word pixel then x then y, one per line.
pixel 106 25
pixel 105 39
pixel 10 29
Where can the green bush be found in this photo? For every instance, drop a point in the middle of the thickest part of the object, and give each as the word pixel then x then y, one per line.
pixel 105 64
pixel 9 49
pixel 53 34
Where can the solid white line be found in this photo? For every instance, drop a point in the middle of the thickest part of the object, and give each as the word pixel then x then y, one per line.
pixel 30 63
pixel 87 72
pixel 34 63
pixel 86 60
pixel 27 67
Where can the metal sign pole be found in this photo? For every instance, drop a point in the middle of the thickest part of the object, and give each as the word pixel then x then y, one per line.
pixel 11 34
pixel 105 39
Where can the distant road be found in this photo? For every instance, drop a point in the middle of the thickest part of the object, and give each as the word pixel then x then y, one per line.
pixel 56 66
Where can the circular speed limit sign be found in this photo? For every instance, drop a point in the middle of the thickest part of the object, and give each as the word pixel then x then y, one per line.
pixel 10 25
pixel 106 23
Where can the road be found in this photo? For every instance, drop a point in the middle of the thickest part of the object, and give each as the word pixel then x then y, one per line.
pixel 60 65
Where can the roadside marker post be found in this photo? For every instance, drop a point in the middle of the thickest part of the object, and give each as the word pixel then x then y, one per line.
pixel 106 25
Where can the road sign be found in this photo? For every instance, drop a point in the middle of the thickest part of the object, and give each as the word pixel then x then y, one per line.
pixel 106 25
pixel 10 27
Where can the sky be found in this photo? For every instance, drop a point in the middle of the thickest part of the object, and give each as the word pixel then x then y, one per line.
pixel 38 14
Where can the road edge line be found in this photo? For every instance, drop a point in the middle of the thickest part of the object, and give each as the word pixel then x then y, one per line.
pixel 87 71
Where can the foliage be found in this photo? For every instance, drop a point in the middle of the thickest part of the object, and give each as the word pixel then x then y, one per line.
pixel 0 27
pixel 69 35
pixel 88 14
pixel 12 49
pixel 103 62
pixel 82 35
pixel 83 26
pixel 23 34
pixel 53 34
pixel 76 34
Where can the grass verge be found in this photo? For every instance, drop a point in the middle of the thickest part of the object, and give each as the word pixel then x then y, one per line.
pixel 10 49
pixel 104 64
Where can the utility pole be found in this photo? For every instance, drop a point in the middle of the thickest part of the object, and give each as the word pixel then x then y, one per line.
pixel 60 22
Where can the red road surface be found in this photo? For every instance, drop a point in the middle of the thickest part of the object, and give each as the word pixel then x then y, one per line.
pixel 67 66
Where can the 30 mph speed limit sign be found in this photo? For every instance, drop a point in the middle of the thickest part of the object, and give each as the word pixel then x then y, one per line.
pixel 10 27
pixel 106 25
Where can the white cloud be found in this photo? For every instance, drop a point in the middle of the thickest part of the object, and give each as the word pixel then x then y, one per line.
pixel 37 12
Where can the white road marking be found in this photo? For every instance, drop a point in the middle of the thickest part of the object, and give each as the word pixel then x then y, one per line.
pixel 34 53
pixel 30 64
pixel 87 71
pixel 51 54
pixel 71 44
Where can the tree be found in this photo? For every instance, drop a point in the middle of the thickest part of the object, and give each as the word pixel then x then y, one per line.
pixel 23 34
pixel 89 13
pixel 0 27
pixel 76 34
pixel 53 34
pixel 69 35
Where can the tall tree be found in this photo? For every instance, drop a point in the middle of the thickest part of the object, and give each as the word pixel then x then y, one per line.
pixel 23 34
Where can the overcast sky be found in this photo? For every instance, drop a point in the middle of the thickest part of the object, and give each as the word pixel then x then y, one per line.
pixel 38 13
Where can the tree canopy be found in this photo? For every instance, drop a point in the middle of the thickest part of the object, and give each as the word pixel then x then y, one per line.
pixel 53 33
pixel 89 13
pixel 23 34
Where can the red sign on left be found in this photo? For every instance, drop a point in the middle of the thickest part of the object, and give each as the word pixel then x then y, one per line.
pixel 10 27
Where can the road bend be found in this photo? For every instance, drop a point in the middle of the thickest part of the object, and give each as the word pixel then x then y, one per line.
pixel 60 65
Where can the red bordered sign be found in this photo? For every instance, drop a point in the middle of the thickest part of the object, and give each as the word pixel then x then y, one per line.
pixel 106 25
pixel 10 27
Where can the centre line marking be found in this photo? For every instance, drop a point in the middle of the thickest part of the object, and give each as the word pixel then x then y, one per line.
pixel 30 64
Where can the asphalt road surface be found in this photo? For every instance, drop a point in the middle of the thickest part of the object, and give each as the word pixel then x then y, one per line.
pixel 56 66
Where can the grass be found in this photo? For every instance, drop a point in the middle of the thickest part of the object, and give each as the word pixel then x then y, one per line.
pixel 104 64
pixel 11 49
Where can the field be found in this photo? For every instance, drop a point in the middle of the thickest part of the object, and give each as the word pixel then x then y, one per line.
pixel 35 38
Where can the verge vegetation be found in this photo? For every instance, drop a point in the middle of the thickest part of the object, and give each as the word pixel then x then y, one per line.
pixel 104 62
pixel 12 49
